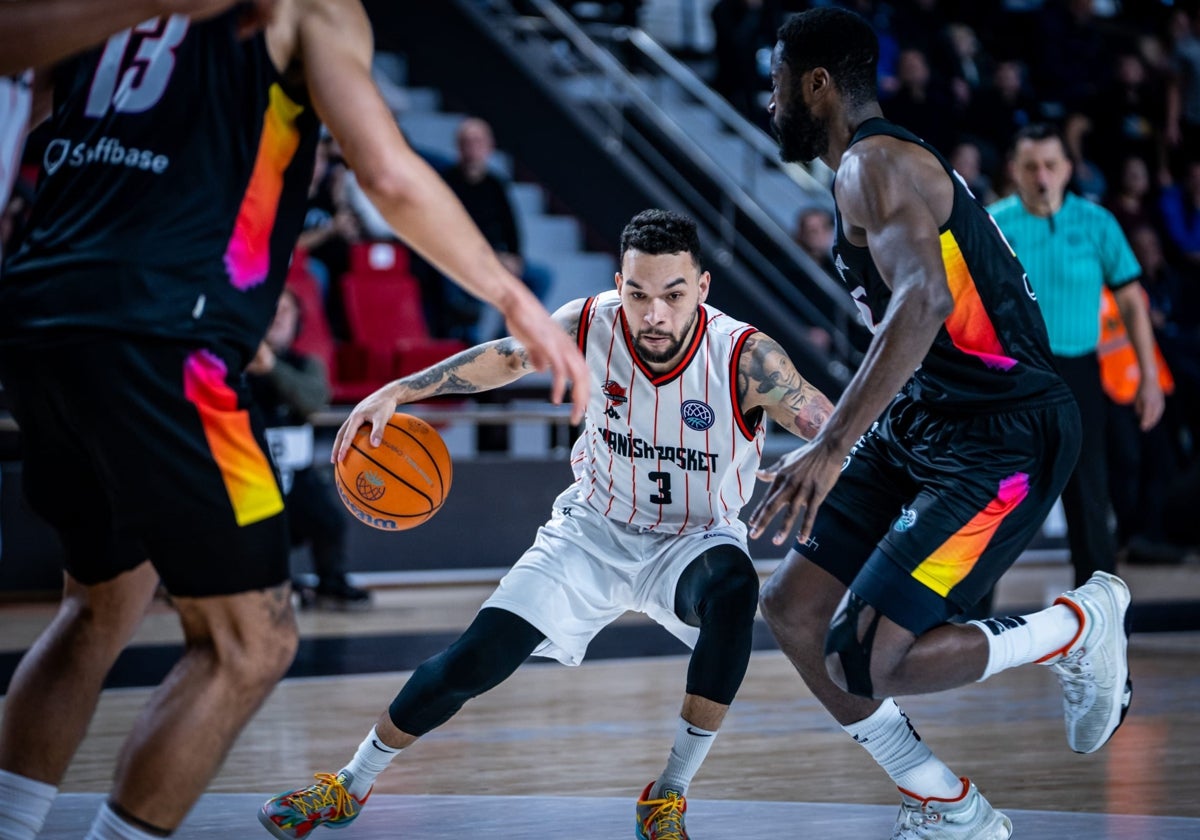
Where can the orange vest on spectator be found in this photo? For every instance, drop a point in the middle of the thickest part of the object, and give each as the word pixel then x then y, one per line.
pixel 1118 362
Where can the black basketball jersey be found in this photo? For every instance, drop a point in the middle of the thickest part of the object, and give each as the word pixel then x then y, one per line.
pixel 993 348
pixel 171 191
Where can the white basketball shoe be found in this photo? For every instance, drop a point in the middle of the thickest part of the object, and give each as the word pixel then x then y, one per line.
pixel 1094 667
pixel 969 817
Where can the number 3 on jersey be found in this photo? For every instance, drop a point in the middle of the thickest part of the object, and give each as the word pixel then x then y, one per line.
pixel 663 496
pixel 132 84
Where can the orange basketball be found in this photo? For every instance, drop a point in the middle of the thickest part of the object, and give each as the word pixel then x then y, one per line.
pixel 400 483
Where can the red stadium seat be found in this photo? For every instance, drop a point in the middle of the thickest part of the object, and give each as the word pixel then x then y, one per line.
pixel 389 336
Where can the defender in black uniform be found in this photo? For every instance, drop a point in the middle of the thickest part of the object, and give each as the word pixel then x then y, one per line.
pixel 939 462
pixel 172 189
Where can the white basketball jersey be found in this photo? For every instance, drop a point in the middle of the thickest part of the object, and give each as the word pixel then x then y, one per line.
pixel 668 452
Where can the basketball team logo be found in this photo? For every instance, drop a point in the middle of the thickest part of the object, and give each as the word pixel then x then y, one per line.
pixel 370 486
pixel 697 416
pixel 907 519
pixel 615 393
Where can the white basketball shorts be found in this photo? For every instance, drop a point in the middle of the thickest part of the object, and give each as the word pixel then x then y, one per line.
pixel 585 570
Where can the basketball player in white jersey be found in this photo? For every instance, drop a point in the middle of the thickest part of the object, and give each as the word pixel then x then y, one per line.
pixel 671 439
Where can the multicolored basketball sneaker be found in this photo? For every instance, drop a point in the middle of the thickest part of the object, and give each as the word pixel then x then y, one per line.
pixel 661 819
pixel 292 815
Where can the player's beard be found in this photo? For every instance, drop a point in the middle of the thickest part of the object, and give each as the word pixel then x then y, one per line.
pixel 657 357
pixel 802 137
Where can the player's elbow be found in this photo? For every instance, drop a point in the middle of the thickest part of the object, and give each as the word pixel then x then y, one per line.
pixel 937 303
pixel 386 185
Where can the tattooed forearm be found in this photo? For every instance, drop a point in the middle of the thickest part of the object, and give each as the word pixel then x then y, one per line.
pixel 473 370
pixel 443 376
pixel 509 348
pixel 810 409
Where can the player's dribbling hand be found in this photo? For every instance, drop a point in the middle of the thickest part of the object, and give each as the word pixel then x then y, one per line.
pixel 800 481
pixel 374 411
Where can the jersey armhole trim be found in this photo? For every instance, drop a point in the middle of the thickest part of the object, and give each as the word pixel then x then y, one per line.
pixel 585 323
pixel 734 363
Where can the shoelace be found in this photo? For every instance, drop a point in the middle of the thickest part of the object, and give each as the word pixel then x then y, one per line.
pixel 667 817
pixel 1075 673
pixel 916 819
pixel 328 791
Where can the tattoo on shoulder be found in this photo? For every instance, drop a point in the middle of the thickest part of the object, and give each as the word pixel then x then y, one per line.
pixel 766 370
pixel 768 374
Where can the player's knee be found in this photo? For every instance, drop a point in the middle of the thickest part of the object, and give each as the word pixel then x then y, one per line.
pixel 718 588
pixel 252 655
pixel 268 659
pixel 788 616
pixel 465 670
pixel 732 597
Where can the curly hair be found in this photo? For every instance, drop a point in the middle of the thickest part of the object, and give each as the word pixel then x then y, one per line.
pixel 840 41
pixel 658 232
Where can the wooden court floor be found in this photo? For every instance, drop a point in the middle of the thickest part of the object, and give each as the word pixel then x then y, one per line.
pixel 563 751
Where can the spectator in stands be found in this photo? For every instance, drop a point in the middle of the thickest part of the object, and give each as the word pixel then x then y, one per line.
pixel 1071 249
pixel 814 233
pixel 330 224
pixel 968 66
pixel 1001 109
pixel 1141 462
pixel 967 160
pixel 485 195
pixel 922 105
pixel 288 388
pixel 1175 314
pixel 1130 114
pixel 1180 206
pixel 1071 56
pixel 1129 199
pixel 743 29
pixel 1183 93
pixel 1086 177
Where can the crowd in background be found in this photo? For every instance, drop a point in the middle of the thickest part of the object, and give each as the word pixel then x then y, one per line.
pixel 1122 83
pixel 1121 79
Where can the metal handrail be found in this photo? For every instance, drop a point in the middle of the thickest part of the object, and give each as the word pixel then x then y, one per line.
pixel 615 73
pixel 757 139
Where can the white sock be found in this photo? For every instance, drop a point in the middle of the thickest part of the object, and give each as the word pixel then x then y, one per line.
pixel 1021 639
pixel 895 745
pixel 687 754
pixel 108 826
pixel 24 804
pixel 372 758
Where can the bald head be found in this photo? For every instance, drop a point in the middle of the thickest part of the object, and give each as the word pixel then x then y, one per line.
pixel 475 146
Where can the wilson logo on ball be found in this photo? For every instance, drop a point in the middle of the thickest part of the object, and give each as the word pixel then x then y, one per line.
pixel 399 483
pixel 370 485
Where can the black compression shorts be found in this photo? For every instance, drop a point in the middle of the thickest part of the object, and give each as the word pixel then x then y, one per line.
pixel 140 449
pixel 931 509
